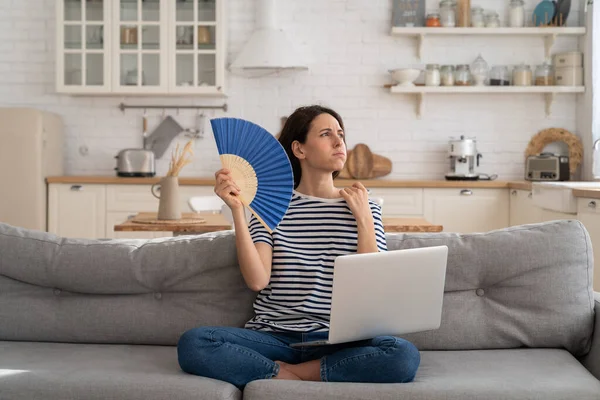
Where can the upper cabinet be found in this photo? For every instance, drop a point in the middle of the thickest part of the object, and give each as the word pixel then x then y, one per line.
pixel 141 47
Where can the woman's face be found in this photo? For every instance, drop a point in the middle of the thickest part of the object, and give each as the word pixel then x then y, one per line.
pixel 324 147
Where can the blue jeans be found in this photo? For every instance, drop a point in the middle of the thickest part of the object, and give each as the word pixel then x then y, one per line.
pixel 238 356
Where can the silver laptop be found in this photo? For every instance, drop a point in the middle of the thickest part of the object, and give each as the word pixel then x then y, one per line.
pixel 385 293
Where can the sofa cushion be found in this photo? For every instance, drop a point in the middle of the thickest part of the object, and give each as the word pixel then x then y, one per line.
pixel 520 286
pixel 523 286
pixel 117 291
pixel 64 371
pixel 543 374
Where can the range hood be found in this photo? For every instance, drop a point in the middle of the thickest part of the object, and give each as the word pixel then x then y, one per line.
pixel 269 50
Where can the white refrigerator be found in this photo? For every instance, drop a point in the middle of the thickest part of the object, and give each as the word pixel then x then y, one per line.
pixel 31 149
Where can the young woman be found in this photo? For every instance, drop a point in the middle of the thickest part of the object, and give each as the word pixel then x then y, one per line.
pixel 292 269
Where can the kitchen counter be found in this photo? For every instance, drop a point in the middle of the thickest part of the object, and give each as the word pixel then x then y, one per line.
pixel 380 183
pixel 588 193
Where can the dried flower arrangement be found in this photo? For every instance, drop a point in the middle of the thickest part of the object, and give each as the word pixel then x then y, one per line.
pixel 178 161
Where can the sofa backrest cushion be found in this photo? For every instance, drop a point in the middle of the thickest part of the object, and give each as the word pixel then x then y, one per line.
pixel 524 286
pixel 117 291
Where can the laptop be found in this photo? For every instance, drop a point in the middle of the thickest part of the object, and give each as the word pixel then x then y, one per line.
pixel 385 293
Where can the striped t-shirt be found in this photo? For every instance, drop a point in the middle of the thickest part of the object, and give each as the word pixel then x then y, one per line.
pixel 313 232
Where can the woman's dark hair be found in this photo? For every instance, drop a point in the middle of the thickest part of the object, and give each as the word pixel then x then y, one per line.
pixel 296 127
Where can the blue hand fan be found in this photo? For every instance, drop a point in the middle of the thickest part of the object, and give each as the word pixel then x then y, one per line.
pixel 259 166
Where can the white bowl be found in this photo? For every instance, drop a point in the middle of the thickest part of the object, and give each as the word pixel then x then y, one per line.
pixel 405 76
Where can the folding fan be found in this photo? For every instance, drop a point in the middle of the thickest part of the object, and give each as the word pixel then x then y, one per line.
pixel 259 166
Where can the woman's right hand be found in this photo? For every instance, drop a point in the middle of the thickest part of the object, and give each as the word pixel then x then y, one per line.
pixel 227 190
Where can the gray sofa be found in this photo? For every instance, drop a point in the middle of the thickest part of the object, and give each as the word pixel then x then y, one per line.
pixel 98 319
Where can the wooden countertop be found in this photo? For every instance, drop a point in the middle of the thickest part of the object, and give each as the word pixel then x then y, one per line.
pixel 217 222
pixel 374 183
pixel 589 193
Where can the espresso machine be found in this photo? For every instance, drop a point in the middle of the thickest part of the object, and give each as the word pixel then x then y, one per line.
pixel 463 159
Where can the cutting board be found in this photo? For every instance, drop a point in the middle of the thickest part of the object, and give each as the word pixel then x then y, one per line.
pixel 361 163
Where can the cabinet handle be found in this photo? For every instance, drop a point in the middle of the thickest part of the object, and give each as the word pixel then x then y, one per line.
pixel 76 188
pixel 529 195
pixel 592 204
pixel 466 192
pixel 514 192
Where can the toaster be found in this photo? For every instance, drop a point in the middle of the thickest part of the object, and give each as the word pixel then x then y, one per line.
pixel 135 163
pixel 547 167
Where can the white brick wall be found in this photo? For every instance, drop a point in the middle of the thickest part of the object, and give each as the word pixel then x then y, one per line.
pixel 350 50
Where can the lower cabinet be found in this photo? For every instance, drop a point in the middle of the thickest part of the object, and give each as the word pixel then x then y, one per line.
pixel 588 212
pixel 522 210
pixel 77 211
pixel 92 211
pixel 467 210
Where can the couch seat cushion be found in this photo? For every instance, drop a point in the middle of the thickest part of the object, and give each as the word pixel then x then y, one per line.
pixel 544 374
pixel 65 371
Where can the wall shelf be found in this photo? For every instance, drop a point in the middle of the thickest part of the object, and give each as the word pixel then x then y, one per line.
pixel 549 34
pixel 549 92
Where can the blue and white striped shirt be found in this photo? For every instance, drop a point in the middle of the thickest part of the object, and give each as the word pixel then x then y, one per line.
pixel 313 232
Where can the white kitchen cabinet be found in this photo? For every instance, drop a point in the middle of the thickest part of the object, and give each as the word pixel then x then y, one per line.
pixel 467 210
pixel 141 47
pixel 588 212
pixel 400 202
pixel 77 211
pixel 521 210
pixel 83 36
pixel 551 215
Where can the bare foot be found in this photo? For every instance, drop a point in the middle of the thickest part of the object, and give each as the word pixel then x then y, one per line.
pixel 285 373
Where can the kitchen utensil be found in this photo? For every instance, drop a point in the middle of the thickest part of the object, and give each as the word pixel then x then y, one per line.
pixel 544 12
pixel 135 163
pixel 169 199
pixel 405 76
pixel 160 138
pixel 259 166
pixel 360 162
pixel 382 166
pixel 562 12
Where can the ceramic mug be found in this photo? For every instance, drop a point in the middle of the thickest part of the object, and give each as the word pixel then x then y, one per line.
pixel 168 195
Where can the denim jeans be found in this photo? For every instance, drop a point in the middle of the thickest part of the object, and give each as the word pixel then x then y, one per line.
pixel 238 356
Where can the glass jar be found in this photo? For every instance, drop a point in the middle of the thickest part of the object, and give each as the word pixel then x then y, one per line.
pixel 462 76
pixel 492 20
pixel 522 75
pixel 447 75
pixel 433 20
pixel 432 75
pixel 499 76
pixel 479 71
pixel 544 76
pixel 477 17
pixel 516 14
pixel 447 13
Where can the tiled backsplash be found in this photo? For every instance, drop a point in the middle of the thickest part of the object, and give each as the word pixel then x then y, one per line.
pixel 349 49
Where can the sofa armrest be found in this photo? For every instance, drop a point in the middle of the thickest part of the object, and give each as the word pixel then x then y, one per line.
pixel 592 360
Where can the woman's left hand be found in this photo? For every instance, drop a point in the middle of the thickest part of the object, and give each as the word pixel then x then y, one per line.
pixel 357 198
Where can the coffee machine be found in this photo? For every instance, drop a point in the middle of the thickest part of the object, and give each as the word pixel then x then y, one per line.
pixel 463 159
